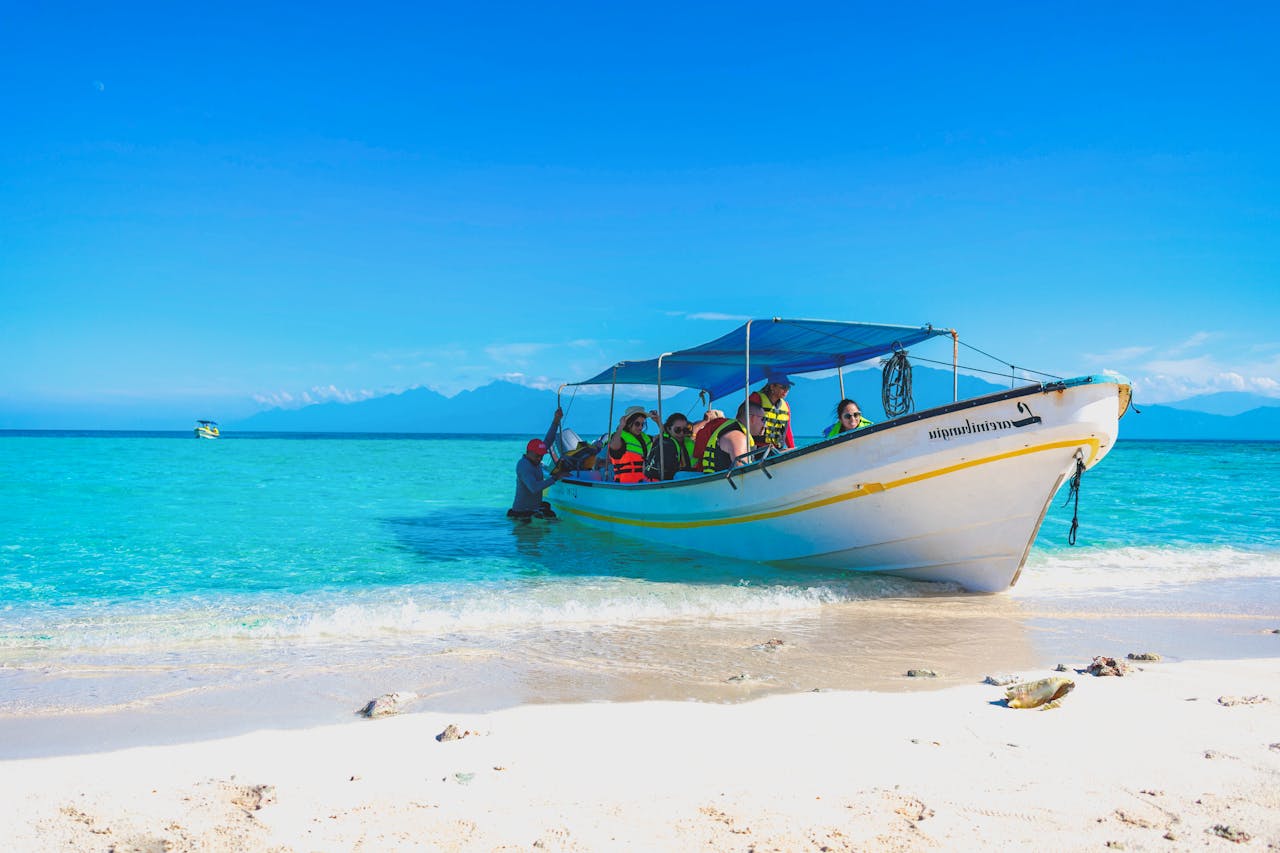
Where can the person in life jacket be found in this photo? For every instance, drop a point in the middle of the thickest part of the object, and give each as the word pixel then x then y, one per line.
pixel 722 443
pixel 848 418
pixel 629 445
pixel 772 399
pixel 673 451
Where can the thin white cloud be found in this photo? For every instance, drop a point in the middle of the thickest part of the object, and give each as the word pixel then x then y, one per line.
pixel 707 315
pixel 1116 356
pixel 314 394
pixel 1163 387
pixel 541 383
pixel 1185 369
pixel 275 399
pixel 1191 343
pixel 1200 369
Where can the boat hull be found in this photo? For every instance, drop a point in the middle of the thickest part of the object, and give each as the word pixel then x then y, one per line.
pixel 953 494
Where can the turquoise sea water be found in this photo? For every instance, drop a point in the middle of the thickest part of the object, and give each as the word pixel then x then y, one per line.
pixel 148 540
pixel 142 540
pixel 155 551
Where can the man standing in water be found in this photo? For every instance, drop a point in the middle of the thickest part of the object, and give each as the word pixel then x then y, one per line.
pixel 530 481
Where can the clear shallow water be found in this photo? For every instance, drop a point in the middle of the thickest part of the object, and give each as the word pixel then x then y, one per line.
pixel 1168 526
pixel 148 568
pixel 144 541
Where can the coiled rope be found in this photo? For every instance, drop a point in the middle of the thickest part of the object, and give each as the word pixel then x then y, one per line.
pixel 895 389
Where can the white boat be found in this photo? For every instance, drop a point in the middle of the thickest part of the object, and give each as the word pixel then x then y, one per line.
pixel 207 429
pixel 954 493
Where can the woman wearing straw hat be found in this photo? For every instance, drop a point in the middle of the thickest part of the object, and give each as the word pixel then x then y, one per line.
pixel 629 445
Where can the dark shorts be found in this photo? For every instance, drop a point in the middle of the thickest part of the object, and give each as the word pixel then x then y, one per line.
pixel 543 511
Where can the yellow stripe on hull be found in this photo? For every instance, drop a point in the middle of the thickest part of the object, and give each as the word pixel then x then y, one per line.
pixel 863 490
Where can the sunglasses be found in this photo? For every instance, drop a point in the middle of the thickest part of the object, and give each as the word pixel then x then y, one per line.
pixel 851 415
pixel 635 421
pixel 680 430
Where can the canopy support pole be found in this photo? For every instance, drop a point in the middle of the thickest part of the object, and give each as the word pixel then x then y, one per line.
pixel 662 462
pixel 955 366
pixel 558 408
pixel 746 388
pixel 840 374
pixel 608 430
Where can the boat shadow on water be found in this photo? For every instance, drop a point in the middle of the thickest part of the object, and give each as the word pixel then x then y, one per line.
pixel 492 543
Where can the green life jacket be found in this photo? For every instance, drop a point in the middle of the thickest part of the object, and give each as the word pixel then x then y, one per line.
pixel 834 429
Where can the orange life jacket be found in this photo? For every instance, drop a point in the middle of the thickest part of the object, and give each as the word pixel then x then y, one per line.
pixel 629 468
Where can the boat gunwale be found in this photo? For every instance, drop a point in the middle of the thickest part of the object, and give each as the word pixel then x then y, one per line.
pixel 883 426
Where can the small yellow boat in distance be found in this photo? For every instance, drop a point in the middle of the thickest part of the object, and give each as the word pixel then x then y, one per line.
pixel 207 429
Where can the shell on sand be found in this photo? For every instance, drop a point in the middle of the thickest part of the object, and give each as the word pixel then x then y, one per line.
pixel 386 704
pixel 1033 694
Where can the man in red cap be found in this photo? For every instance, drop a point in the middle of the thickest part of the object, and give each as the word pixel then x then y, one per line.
pixel 530 479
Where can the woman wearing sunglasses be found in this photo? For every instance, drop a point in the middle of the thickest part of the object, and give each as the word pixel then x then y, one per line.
pixel 629 445
pixel 848 418
pixel 674 451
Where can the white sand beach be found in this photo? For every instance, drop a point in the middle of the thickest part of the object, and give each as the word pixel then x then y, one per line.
pixel 1152 760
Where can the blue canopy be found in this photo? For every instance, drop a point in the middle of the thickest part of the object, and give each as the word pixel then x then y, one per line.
pixel 772 347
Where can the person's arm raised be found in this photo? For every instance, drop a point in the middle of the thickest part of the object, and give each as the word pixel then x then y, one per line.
pixel 555 426
pixel 615 440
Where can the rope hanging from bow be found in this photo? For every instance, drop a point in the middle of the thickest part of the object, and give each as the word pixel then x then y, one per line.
pixel 1074 495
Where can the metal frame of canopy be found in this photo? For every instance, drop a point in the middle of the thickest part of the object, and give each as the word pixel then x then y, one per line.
pixel 716 358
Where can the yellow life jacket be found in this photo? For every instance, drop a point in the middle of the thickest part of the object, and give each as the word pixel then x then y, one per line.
pixel 776 417
pixel 711 453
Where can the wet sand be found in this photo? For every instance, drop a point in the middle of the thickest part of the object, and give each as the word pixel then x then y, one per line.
pixel 83 702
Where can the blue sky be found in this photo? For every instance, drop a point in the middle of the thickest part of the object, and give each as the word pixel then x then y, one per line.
pixel 206 211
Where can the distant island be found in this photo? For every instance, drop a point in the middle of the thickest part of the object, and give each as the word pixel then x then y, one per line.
pixel 506 408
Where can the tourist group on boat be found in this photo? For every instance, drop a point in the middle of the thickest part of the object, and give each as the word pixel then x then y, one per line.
pixel 681 448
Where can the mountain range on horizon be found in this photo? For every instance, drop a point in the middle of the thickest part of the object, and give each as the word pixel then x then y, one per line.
pixel 1229 403
pixel 508 408
pixel 505 408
